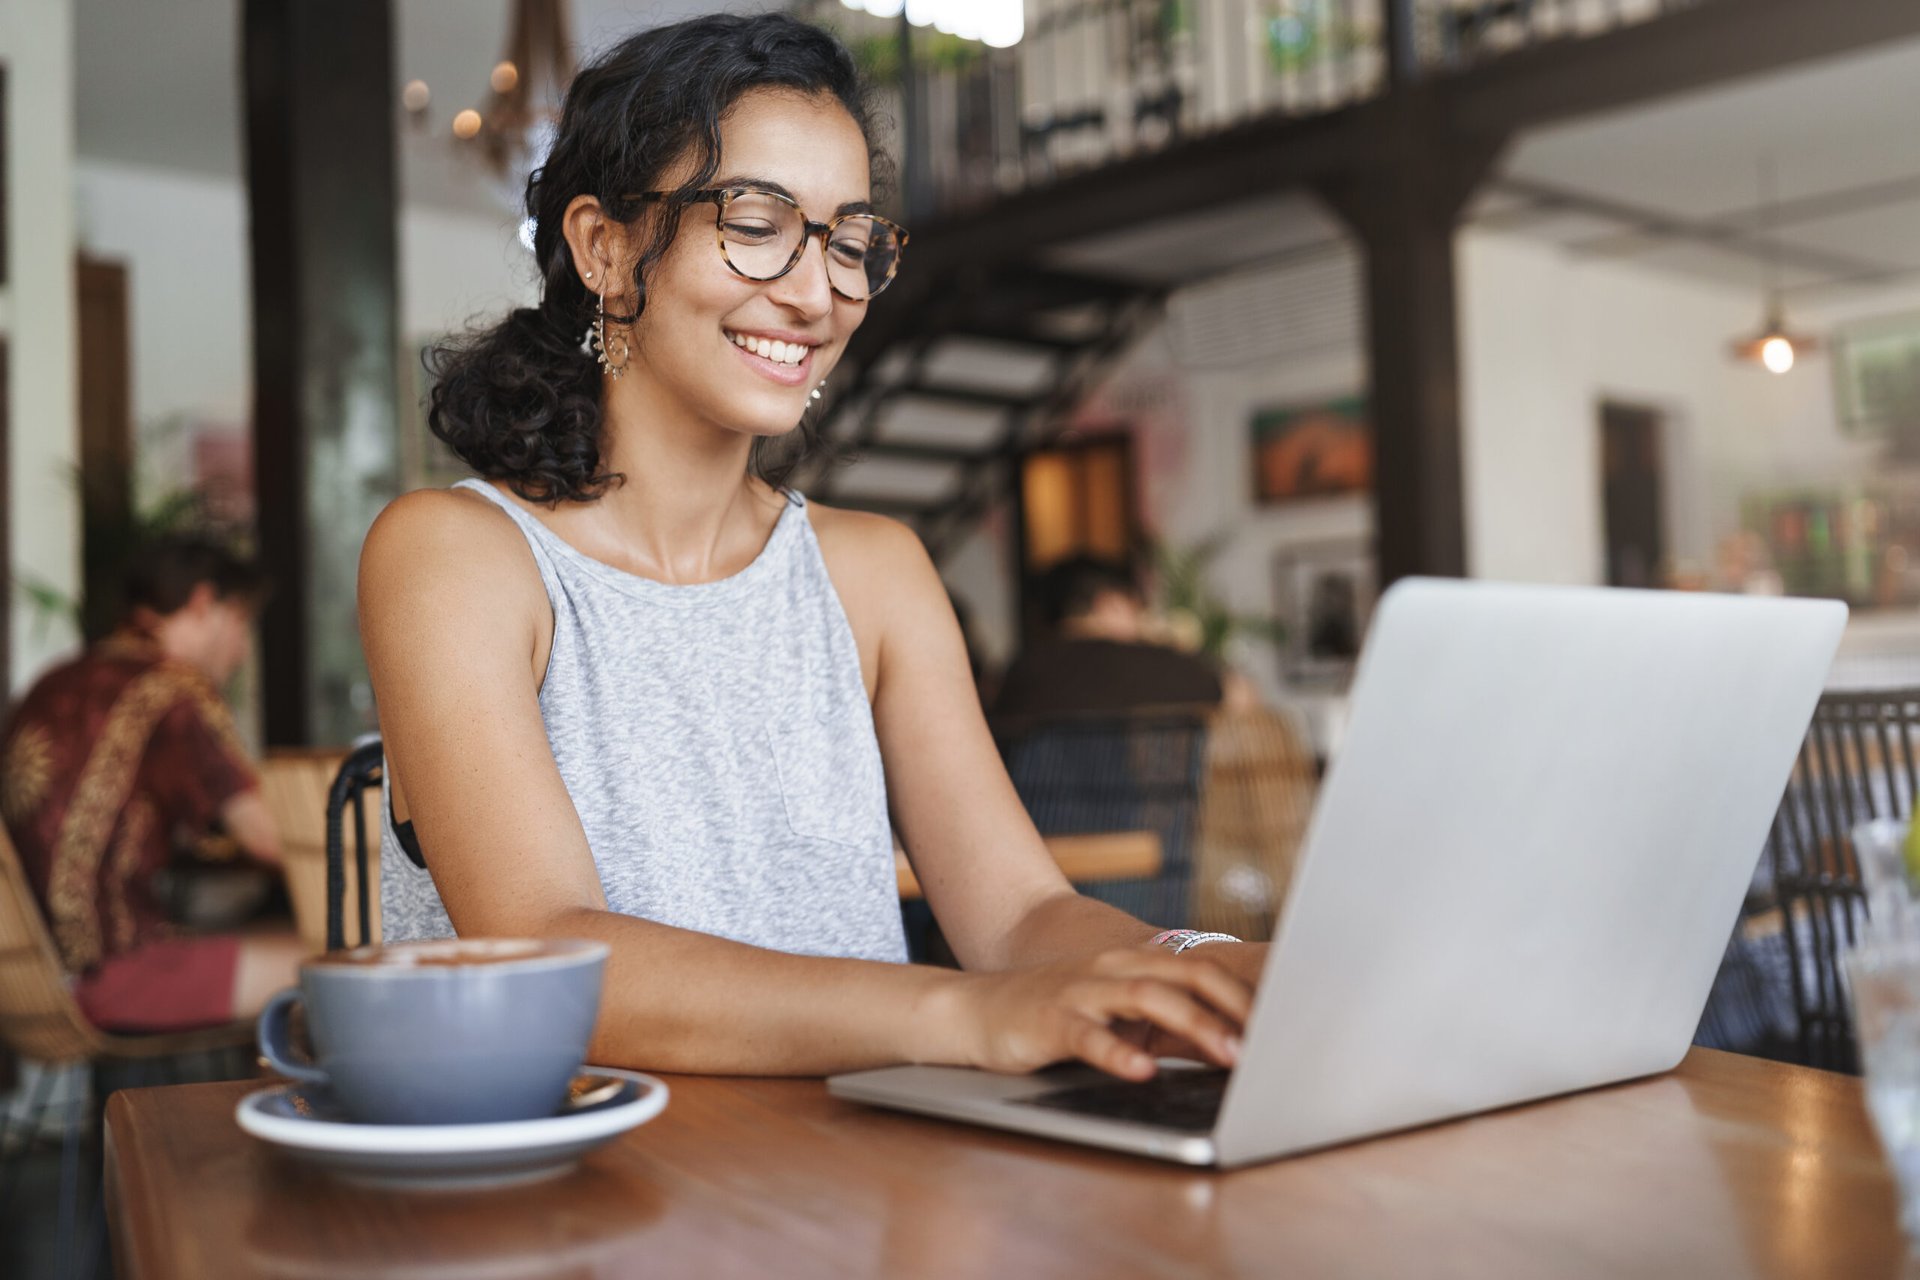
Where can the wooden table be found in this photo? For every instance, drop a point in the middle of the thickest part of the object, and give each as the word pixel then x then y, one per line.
pixel 1728 1167
pixel 1111 855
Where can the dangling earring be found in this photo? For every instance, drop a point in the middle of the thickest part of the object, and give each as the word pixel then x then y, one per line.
pixel 816 390
pixel 609 365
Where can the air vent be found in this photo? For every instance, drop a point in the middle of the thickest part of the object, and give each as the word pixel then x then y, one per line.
pixel 1306 307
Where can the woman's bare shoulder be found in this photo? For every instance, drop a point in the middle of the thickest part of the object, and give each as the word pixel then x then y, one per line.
pixel 434 536
pixel 886 581
pixel 866 542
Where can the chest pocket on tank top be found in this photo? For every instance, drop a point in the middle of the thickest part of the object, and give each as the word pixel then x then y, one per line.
pixel 830 776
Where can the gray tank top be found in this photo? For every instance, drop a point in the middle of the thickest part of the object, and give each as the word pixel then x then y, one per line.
pixel 718 746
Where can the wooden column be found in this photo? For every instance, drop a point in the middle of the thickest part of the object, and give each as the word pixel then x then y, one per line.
pixel 1404 209
pixel 106 441
pixel 6 544
pixel 322 188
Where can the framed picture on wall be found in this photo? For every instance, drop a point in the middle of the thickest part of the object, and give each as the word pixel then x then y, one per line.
pixel 1323 595
pixel 1314 449
pixel 1876 377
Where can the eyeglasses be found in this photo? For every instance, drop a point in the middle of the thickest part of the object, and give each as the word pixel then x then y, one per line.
pixel 762 235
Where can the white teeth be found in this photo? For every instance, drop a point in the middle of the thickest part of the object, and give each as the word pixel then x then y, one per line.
pixel 771 348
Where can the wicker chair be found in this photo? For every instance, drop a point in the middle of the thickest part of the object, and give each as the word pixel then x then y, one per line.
pixel 1261 782
pixel 40 1020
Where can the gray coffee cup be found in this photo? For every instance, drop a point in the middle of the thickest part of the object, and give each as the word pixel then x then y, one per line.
pixel 460 1031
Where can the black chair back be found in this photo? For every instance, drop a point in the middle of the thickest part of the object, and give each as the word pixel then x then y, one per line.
pixel 1133 771
pixel 1857 763
pixel 359 773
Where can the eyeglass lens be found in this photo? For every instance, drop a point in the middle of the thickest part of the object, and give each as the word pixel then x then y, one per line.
pixel 762 234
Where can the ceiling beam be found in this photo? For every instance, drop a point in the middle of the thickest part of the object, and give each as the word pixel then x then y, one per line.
pixel 1648 223
pixel 1787 213
pixel 1679 52
pixel 1252 159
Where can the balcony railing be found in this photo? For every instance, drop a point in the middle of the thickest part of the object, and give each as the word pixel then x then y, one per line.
pixel 1094 81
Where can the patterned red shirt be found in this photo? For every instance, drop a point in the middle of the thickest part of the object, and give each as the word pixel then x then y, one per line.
pixel 102 762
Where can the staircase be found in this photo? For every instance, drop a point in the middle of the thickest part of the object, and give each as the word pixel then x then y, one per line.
pixel 953 377
pixel 1171 120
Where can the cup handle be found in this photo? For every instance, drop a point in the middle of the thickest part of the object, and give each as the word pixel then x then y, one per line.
pixel 276 1035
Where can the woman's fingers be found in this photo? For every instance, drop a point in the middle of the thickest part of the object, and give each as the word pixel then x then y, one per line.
pixel 1209 981
pixel 1090 1008
pixel 1176 1012
pixel 1155 1042
pixel 1097 1045
pixel 1219 987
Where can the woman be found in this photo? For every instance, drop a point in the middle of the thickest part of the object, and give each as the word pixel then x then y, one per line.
pixel 634 689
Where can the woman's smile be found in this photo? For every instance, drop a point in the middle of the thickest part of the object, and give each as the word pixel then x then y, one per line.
pixel 785 358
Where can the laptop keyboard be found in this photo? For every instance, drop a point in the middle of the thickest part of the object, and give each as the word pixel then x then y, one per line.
pixel 1187 1100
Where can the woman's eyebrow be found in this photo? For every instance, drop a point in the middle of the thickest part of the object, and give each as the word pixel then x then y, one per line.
pixel 768 184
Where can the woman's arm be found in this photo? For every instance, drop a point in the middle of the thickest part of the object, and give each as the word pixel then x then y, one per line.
pixel 456 626
pixel 1001 900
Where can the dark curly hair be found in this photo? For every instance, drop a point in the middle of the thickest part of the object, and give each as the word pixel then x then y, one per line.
pixel 521 401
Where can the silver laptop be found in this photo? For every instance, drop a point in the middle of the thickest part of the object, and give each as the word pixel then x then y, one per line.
pixel 1519 880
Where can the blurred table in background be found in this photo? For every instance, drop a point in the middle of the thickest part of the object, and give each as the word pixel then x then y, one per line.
pixel 1113 855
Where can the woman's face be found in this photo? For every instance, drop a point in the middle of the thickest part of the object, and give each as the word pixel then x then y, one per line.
pixel 689 340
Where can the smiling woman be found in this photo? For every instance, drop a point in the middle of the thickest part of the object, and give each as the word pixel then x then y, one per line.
pixel 634 688
pixel 521 402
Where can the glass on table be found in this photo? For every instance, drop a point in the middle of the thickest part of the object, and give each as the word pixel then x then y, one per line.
pixel 1893 912
pixel 1883 982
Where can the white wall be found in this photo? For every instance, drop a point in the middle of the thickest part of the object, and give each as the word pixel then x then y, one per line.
pixel 36 43
pixel 184 239
pixel 1546 337
pixel 457 268
pixel 979 574
pixel 1528 449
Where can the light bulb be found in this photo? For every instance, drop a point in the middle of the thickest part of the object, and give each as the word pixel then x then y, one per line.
pixel 1777 354
pixel 505 76
pixel 416 95
pixel 466 124
pixel 1004 25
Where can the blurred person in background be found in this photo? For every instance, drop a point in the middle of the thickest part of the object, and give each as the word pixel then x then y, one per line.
pixel 113 757
pixel 1098 657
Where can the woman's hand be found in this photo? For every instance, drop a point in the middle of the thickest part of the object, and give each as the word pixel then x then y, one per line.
pixel 1023 1019
pixel 1242 960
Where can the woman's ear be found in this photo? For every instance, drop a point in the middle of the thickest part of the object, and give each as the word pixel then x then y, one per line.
pixel 598 244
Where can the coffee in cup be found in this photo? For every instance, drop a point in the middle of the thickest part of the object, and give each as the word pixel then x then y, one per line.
pixel 456 1031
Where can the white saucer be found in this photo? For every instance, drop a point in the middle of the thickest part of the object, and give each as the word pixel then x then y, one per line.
pixel 307 1124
